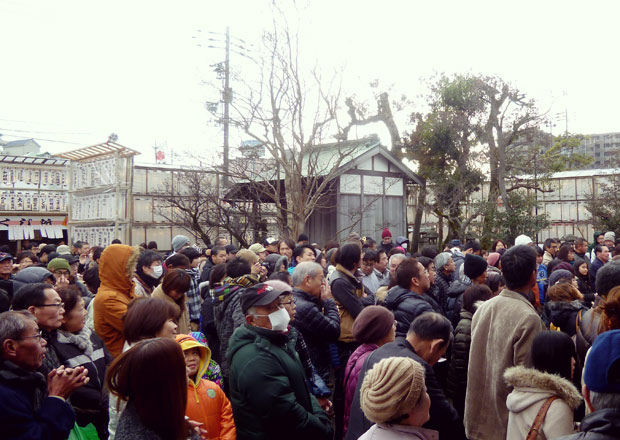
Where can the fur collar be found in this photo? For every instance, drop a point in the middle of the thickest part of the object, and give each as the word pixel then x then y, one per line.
pixel 531 378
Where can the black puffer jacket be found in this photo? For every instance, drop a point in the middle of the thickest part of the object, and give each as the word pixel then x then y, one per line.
pixel 456 385
pixel 407 306
pixel 455 301
pixel 442 283
pixel 562 314
pixel 319 323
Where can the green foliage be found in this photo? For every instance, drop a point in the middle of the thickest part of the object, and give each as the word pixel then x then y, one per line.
pixel 563 155
pixel 442 144
pixel 517 217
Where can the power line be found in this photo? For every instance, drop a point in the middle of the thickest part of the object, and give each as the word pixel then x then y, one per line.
pixel 45 140
pixel 39 132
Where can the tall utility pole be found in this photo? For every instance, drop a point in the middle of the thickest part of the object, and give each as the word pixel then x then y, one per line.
pixel 227 100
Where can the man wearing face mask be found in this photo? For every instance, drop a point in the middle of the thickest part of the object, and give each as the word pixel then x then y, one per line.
pixel 148 273
pixel 268 391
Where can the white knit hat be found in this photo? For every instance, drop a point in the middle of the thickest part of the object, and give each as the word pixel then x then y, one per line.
pixel 522 240
pixel 392 388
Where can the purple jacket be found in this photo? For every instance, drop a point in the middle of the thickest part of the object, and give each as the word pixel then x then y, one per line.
pixel 351 376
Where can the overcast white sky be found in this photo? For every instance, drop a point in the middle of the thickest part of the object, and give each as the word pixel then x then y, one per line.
pixel 77 70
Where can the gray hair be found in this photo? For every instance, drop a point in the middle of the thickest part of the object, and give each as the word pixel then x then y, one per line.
pixel 605 400
pixel 441 260
pixel 13 324
pixel 307 268
pixel 401 257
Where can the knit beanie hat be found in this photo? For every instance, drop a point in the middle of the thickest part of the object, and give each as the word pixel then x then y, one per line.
pixel 372 324
pixel 386 233
pixel 610 236
pixel 560 275
pixel 178 242
pixel 493 258
pixel 474 266
pixel 441 260
pixel 522 240
pixel 58 263
pixel 391 389
pixel 63 249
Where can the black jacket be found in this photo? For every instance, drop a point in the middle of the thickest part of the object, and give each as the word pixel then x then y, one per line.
pixel 73 352
pixel 603 424
pixel 443 282
pixel 456 385
pixel 444 417
pixel 562 314
pixel 407 306
pixel 319 323
pixel 25 411
pixel 455 301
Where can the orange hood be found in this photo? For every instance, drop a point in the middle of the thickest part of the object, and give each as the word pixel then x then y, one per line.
pixel 116 267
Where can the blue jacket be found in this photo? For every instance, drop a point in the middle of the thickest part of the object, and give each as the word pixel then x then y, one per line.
pixel 25 411
pixel 594 267
pixel 407 306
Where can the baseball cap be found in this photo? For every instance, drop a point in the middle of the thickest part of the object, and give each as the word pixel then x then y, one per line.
pixel 231 249
pixel 269 241
pixel 257 247
pixel 4 256
pixel 602 370
pixel 70 258
pixel 258 295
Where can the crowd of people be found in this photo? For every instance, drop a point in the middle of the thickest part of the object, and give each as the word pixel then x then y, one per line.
pixel 356 339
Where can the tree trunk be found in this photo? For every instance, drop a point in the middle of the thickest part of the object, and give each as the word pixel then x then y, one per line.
pixel 419 211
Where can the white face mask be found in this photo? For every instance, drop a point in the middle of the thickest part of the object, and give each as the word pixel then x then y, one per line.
pixel 158 271
pixel 279 320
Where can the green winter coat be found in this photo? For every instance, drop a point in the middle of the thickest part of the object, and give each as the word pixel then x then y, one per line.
pixel 268 389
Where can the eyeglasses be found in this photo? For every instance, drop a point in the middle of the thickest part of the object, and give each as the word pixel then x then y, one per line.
pixel 283 303
pixel 38 336
pixel 59 305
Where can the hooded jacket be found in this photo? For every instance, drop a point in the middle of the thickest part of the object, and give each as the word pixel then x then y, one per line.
pixel 206 402
pixel 563 315
pixel 30 275
pixel 531 389
pixel 116 290
pixel 407 306
pixel 182 313
pixel 268 390
pixel 227 312
pixel 352 375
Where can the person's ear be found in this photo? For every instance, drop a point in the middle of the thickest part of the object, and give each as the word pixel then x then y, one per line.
pixel 586 396
pixel 436 346
pixel 32 309
pixel 9 347
pixel 249 319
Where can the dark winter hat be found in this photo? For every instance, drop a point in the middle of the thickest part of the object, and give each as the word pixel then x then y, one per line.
pixel 259 295
pixel 386 233
pixel 372 324
pixel 71 259
pixel 474 266
pixel 560 275
pixel 302 237
pixel 455 243
pixel 231 249
pixel 602 371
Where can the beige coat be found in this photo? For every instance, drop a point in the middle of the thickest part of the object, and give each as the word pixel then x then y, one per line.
pixel 531 389
pixel 183 320
pixel 502 332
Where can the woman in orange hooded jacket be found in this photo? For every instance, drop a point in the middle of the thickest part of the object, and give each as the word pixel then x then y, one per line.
pixel 206 402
